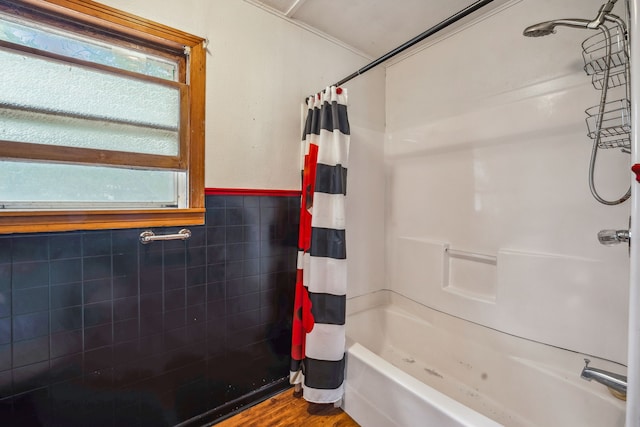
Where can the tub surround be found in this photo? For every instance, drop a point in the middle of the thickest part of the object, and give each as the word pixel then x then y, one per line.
pixel 98 329
pixel 487 155
pixel 428 365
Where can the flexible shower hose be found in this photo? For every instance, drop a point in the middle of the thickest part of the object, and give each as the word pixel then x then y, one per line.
pixel 603 100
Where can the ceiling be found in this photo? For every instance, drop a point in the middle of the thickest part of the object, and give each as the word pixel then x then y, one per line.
pixel 372 27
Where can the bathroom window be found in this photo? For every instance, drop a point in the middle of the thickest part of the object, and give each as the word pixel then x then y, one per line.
pixel 101 119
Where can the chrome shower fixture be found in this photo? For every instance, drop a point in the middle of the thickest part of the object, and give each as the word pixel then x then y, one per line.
pixel 549 27
pixel 613 237
pixel 546 28
pixel 609 122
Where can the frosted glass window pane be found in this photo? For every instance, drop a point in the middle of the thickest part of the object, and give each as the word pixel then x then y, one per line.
pixel 94 101
pixel 25 126
pixel 25 185
pixel 53 40
pixel 34 83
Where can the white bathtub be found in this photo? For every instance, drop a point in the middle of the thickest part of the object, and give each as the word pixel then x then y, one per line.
pixel 408 365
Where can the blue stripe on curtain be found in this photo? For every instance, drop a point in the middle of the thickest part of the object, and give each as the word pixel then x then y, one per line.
pixel 323 374
pixel 330 117
pixel 328 309
pixel 308 125
pixel 331 179
pixel 328 243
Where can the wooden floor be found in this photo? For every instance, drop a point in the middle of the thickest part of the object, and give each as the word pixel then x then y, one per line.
pixel 287 409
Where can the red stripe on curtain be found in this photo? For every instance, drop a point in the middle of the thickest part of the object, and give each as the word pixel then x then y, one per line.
pixel 302 317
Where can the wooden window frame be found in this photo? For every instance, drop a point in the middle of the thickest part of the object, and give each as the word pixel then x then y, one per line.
pixel 109 20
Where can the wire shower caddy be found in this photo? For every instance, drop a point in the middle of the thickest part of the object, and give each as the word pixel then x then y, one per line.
pixel 606 60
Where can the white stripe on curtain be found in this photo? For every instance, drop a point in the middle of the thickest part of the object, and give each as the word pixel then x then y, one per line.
pixel 330 276
pixel 306 262
pixel 333 154
pixel 330 211
pixel 320 344
pixel 319 395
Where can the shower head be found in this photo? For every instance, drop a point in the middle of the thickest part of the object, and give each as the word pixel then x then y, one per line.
pixel 549 27
pixel 546 28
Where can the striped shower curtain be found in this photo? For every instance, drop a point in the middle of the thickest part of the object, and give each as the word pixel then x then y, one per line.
pixel 318 339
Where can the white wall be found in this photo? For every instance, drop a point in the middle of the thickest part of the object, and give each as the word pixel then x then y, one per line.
pixel 366 185
pixel 486 152
pixel 259 70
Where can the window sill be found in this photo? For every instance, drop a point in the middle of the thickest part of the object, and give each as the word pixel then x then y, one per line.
pixel 49 221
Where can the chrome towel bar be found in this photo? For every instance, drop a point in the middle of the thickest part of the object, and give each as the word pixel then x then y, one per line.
pixel 149 236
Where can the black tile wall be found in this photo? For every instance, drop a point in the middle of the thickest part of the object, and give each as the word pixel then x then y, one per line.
pixel 98 329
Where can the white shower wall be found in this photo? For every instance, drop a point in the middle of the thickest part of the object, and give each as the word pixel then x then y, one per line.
pixel 486 152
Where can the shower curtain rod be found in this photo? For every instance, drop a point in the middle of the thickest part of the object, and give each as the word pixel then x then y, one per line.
pixel 440 26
